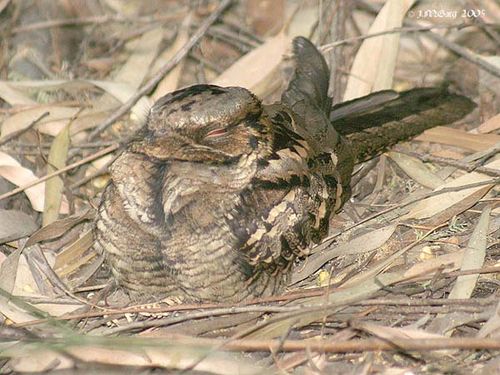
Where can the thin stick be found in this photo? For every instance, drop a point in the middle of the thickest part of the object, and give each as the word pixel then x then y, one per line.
pixel 452 162
pixel 97 155
pixel 361 345
pixel 153 82
pixel 327 47
pixel 15 134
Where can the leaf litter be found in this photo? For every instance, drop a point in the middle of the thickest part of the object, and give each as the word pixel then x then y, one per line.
pixel 419 279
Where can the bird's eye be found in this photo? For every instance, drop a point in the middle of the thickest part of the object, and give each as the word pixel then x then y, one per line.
pixel 215 133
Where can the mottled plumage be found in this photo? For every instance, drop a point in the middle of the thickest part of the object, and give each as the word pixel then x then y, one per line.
pixel 214 198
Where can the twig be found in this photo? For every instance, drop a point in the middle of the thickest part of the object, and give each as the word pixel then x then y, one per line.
pixel 151 84
pixel 327 47
pixel 465 53
pixel 92 175
pixel 206 314
pixel 17 133
pixel 361 345
pixel 452 162
pixel 97 155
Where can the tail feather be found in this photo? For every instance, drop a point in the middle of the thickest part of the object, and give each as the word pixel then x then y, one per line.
pixel 378 121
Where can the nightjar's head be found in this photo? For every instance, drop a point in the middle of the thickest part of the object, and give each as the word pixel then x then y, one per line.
pixel 204 123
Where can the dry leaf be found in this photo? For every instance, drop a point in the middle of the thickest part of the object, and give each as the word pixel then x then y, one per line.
pixel 341 297
pixel 72 257
pixel 8 272
pixel 417 170
pixel 459 138
pixel 13 96
pixel 394 333
pixel 373 66
pixel 34 358
pixel 13 171
pixel 489 125
pixel 40 360
pixel 362 244
pixel 58 228
pixel 457 208
pixel 257 66
pixel 473 258
pixel 433 205
pixel 15 224
pixel 450 261
pixel 54 186
pixel 143 51
pixel 492 326
pixel 23 119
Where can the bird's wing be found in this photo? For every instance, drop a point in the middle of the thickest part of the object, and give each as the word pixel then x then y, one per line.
pixel 287 205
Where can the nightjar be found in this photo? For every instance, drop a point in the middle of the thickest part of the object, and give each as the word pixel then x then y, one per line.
pixel 214 198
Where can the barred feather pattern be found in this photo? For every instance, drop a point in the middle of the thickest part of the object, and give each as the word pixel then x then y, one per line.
pixel 218 194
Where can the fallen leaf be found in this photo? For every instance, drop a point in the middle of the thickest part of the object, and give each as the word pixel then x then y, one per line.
pixel 73 256
pixel 15 224
pixel 362 244
pixel 54 186
pixel 13 171
pixel 373 66
pixel 434 205
pixel 14 97
pixel 256 67
pixel 473 258
pixel 459 138
pixel 59 227
pixel 450 261
pixel 417 170
pixel 492 326
pixel 23 119
pixel 489 125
